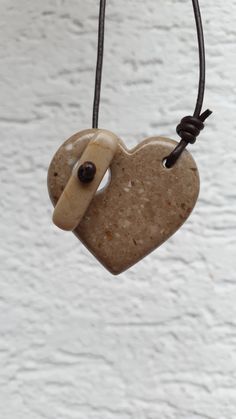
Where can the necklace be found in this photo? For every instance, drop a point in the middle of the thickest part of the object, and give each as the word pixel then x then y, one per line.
pixel 152 188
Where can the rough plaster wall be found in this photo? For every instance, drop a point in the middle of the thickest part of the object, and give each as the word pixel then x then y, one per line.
pixel 157 342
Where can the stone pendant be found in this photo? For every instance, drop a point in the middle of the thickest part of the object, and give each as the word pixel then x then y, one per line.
pixel 143 204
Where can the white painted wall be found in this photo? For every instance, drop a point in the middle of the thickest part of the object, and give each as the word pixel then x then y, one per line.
pixel 157 342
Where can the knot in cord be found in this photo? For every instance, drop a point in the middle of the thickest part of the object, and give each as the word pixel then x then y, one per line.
pixel 189 128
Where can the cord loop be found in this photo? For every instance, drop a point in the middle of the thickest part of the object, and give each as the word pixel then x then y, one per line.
pixel 190 126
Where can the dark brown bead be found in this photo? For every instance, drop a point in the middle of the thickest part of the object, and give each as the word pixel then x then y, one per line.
pixel 86 172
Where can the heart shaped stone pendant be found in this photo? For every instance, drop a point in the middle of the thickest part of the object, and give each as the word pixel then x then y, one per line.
pixel 143 204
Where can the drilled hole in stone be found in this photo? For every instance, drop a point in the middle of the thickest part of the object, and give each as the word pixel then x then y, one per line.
pixel 164 163
pixel 105 181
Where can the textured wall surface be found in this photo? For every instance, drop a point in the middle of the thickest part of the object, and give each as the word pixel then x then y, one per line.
pixel 159 341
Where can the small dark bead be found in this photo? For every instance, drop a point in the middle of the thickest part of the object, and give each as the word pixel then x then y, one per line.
pixel 86 172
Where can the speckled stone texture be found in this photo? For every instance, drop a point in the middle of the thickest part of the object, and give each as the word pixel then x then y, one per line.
pixel 159 341
pixel 78 191
pixel 141 207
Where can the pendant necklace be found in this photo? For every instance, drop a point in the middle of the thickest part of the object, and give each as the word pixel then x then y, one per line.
pixel 152 188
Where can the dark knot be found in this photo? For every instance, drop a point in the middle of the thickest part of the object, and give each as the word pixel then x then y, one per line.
pixel 189 129
pixel 191 126
pixel 86 172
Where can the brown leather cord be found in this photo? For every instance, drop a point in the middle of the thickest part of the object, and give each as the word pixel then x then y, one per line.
pixel 190 126
pixel 100 54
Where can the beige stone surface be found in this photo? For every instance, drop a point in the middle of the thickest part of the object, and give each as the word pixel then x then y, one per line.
pixel 143 205
pixel 77 196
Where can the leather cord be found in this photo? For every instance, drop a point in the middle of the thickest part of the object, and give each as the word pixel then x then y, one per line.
pixel 100 54
pixel 190 126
